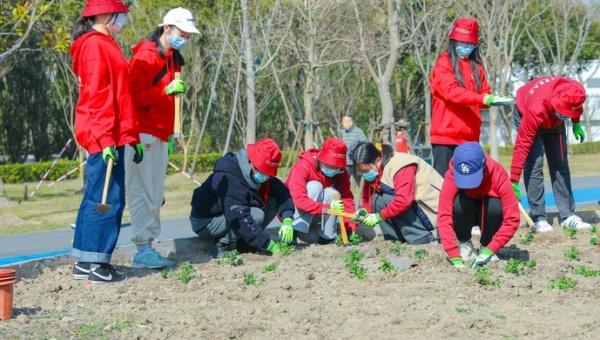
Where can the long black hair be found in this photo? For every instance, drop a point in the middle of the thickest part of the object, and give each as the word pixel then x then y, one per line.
pixel 367 153
pixel 474 60
pixel 82 26
pixel 155 35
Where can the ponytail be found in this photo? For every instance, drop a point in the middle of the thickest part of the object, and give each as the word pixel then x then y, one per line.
pixel 82 26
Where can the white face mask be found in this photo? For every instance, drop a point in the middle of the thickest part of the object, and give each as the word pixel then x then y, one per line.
pixel 117 22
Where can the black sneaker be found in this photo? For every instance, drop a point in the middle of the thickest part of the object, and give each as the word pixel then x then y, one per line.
pixel 324 241
pixel 81 270
pixel 105 273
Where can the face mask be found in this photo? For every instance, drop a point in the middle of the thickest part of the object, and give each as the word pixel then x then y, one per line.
pixel 464 50
pixel 561 117
pixel 329 172
pixel 176 42
pixel 259 177
pixel 117 22
pixel 370 175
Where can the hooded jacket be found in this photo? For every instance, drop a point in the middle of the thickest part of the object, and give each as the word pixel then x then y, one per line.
pixel 104 114
pixel 455 115
pixel 306 170
pixel 231 191
pixel 154 108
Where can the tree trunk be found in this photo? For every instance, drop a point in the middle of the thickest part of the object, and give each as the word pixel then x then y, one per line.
pixel 250 76
pixel 427 126
pixel 308 110
pixel 387 113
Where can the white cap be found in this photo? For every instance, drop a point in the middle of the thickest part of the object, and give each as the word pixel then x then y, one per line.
pixel 182 19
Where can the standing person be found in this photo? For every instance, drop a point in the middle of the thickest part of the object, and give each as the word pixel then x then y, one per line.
pixel 313 181
pixel 153 65
pixel 543 106
pixel 459 91
pixel 241 197
pixel 476 191
pixel 401 191
pixel 104 124
pixel 351 135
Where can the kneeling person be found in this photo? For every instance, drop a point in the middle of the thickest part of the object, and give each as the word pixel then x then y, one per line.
pixel 241 197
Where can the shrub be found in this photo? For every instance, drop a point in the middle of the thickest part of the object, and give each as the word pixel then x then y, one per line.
pixel 33 172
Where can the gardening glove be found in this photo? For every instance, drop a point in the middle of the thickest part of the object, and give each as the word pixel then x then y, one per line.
pixel 517 190
pixel 273 248
pixel 286 232
pixel 485 255
pixel 109 152
pixel 337 205
pixel 457 262
pixel 494 100
pixel 360 215
pixel 578 132
pixel 138 156
pixel 170 146
pixel 372 220
pixel 175 87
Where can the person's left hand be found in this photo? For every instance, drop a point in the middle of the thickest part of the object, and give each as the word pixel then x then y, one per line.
pixel 138 155
pixel 170 146
pixel 372 220
pixel 286 232
pixel 485 255
pixel 578 132
pixel 337 205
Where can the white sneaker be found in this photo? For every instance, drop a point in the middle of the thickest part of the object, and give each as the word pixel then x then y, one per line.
pixel 541 226
pixel 475 231
pixel 467 250
pixel 575 221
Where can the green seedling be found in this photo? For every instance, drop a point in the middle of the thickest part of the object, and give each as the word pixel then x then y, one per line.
pixel 531 264
pixel 231 257
pixel 527 238
pixel 463 310
pixel 353 256
pixel 563 283
pixel 397 248
pixel 570 232
pixel 355 239
pixel 587 272
pixel 386 266
pixel 270 267
pixel 249 279
pixel 421 253
pixel 358 271
pixel 516 267
pixel 338 240
pixel 352 260
pixel 594 229
pixel 571 254
pixel 286 249
pixel 594 240
pixel 185 272
pixel 484 277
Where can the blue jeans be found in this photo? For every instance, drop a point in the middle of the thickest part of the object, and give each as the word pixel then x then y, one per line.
pixel 96 234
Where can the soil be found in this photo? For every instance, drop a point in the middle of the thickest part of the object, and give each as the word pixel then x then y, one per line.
pixel 311 295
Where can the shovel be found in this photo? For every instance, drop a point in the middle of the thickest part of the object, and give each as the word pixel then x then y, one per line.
pixel 342 223
pixel 103 208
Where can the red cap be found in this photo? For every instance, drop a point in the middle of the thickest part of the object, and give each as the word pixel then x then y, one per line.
pixel 97 7
pixel 465 30
pixel 333 153
pixel 568 97
pixel 265 155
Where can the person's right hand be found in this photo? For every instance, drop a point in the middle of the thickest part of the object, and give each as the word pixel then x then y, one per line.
pixel 457 262
pixel 360 215
pixel 138 155
pixel 286 231
pixel 109 152
pixel 170 146
pixel 273 247
pixel 337 205
pixel 175 87
pixel 517 190
pixel 494 100
pixel 372 220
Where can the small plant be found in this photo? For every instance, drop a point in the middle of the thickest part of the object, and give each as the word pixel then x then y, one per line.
pixel 185 272
pixel 358 271
pixel 571 254
pixel 249 279
pixel 527 238
pixel 562 283
pixel 352 260
pixel 397 248
pixel 286 249
pixel 338 240
pixel 421 253
pixel 386 266
pixel 463 310
pixel 594 240
pixel 587 272
pixel 594 229
pixel 570 232
pixel 231 257
pixel 484 277
pixel 377 251
pixel 353 256
pixel 270 267
pixel 355 239
pixel 516 267
pixel 531 264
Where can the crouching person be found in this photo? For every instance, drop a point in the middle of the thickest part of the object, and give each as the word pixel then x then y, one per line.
pixel 241 197
pixel 476 191
pixel 401 193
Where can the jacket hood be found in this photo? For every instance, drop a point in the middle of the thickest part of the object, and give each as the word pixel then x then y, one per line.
pixel 144 45
pixel 244 164
pixel 78 43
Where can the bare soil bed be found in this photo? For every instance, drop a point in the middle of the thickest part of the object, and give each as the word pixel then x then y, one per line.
pixel 312 295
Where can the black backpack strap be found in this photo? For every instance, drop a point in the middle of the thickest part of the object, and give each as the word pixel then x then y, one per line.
pixel 159 75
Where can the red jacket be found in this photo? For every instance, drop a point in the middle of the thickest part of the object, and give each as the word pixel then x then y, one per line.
pixel 495 184
pixel 455 115
pixel 155 109
pixel 104 114
pixel 305 170
pixel 404 193
pixel 533 103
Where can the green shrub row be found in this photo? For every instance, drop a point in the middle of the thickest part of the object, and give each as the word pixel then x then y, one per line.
pixel 33 172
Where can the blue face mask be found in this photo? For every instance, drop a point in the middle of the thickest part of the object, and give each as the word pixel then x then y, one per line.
pixel 561 117
pixel 259 177
pixel 176 42
pixel 370 175
pixel 464 50
pixel 329 172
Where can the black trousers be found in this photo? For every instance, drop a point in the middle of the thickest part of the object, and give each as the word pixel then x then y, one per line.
pixel 441 157
pixel 469 212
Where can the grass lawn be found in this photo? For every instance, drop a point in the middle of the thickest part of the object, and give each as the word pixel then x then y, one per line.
pixel 56 207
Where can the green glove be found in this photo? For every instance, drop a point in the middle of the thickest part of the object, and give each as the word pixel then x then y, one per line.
pixel 286 232
pixel 457 262
pixel 494 100
pixel 485 255
pixel 138 156
pixel 109 152
pixel 517 190
pixel 360 215
pixel 578 132
pixel 337 205
pixel 273 247
pixel 175 87
pixel 171 146
pixel 372 220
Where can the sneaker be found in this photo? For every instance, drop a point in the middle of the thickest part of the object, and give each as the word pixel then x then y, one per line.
pixel 81 270
pixel 475 231
pixel 467 250
pixel 575 221
pixel 150 259
pixel 105 273
pixel 541 226
pixel 323 241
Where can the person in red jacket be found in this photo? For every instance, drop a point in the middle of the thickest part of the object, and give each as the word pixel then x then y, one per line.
pixel 476 191
pixel 104 124
pixel 313 182
pixel 459 91
pixel 400 193
pixel 543 106
pixel 152 75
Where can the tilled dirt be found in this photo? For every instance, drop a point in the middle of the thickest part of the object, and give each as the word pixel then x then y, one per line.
pixel 311 295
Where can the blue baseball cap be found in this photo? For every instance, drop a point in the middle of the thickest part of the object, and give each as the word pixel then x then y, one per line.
pixel 469 162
